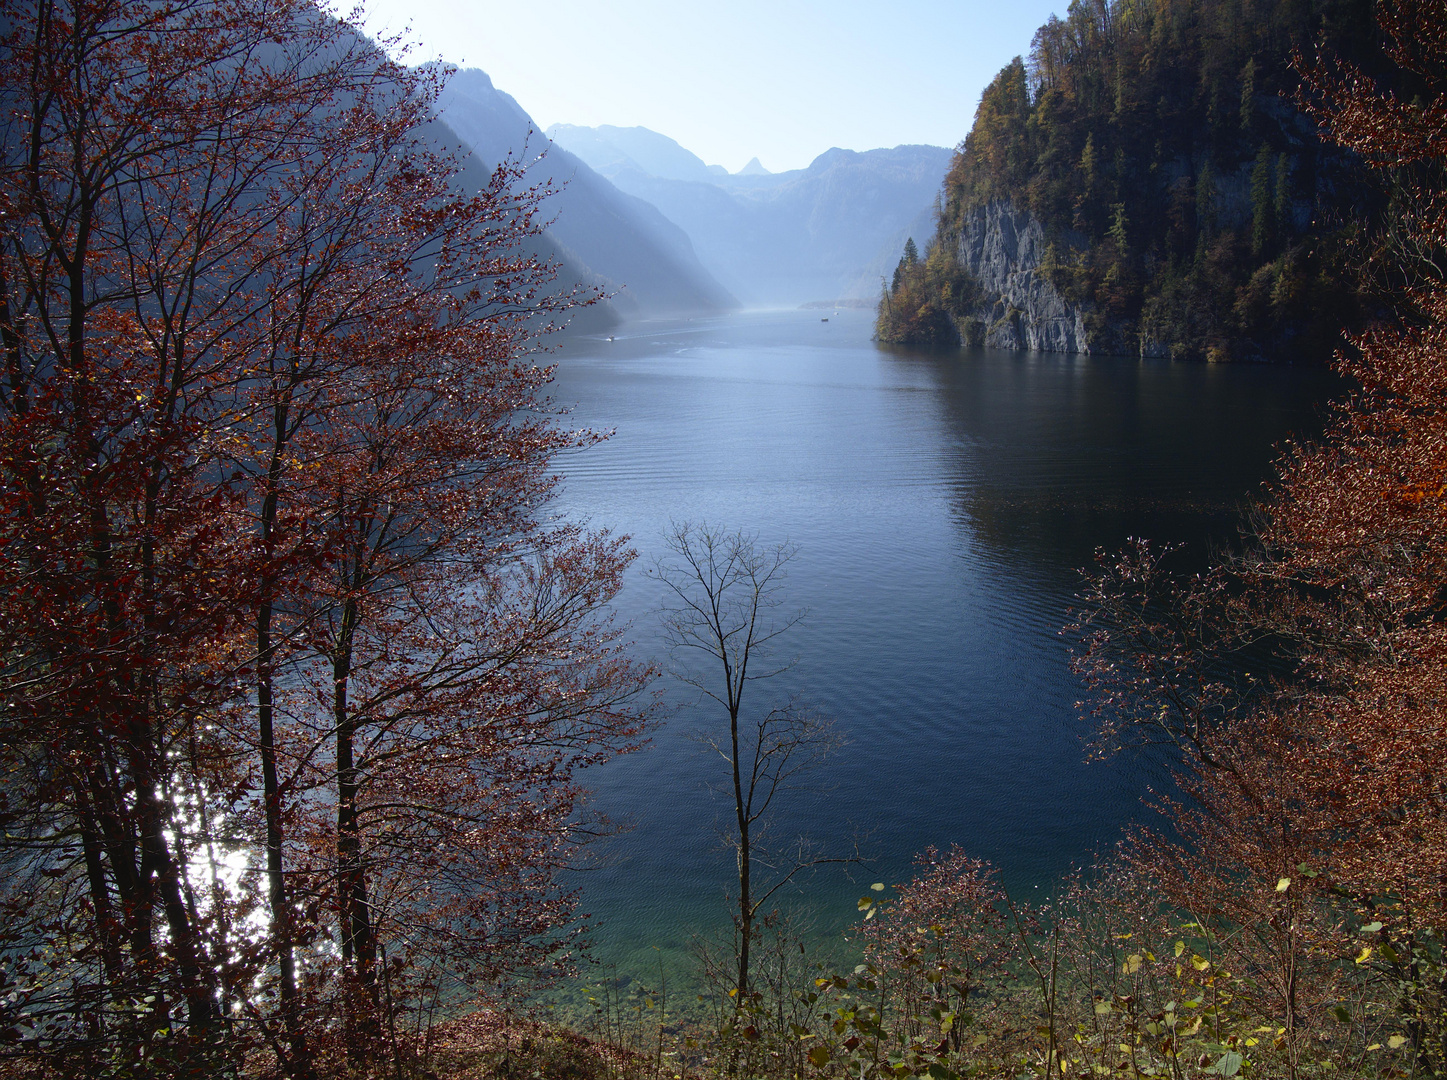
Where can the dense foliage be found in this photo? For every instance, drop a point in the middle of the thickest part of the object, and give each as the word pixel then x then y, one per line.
pixel 296 679
pixel 1191 209
pixel 1327 775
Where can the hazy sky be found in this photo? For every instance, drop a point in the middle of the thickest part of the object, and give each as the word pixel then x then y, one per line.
pixel 781 79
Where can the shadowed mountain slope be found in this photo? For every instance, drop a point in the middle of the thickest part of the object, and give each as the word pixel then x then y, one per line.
pixel 603 234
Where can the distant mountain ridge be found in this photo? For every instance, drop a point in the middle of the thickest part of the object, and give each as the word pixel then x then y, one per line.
pixel 611 148
pixel 832 230
pixel 603 236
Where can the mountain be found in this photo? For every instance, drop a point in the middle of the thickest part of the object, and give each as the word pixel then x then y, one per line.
pixel 608 148
pixel 826 232
pixel 1145 183
pixel 602 234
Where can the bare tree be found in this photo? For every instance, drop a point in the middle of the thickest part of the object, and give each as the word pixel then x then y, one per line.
pixel 727 590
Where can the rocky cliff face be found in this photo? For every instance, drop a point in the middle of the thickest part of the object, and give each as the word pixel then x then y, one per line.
pixel 1004 249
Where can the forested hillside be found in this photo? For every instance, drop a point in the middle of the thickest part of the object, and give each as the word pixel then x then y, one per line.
pixel 1186 205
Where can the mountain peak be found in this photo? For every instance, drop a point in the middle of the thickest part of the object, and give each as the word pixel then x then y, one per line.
pixel 754 168
pixel 612 150
pixel 833 156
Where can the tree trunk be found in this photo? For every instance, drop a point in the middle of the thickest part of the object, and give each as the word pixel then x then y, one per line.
pixel 359 950
pixel 746 908
pixel 298 1061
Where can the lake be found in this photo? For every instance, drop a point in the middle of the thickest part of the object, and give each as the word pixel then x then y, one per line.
pixel 943 505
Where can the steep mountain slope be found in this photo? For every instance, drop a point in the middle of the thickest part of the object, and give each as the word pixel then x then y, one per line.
pixel 821 233
pixel 1145 183
pixel 474 175
pixel 645 260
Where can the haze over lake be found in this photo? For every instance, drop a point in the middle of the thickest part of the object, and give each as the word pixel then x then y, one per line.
pixel 942 504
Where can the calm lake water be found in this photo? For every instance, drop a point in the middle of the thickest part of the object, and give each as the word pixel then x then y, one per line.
pixel 943 505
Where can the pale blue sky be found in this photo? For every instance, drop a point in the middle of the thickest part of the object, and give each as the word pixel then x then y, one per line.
pixel 781 79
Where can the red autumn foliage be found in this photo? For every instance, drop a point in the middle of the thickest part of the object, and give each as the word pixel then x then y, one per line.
pixel 944 941
pixel 296 676
pixel 1322 771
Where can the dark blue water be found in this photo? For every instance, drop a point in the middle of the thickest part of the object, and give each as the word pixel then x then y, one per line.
pixel 942 505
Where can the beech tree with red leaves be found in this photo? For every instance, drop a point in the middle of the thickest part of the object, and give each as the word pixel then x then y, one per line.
pixel 294 670
pixel 1313 787
pixel 943 939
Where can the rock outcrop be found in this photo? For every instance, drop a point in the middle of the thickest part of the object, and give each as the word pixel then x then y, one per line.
pixel 1004 250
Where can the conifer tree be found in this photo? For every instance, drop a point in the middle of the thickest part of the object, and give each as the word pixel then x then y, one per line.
pixel 1301 682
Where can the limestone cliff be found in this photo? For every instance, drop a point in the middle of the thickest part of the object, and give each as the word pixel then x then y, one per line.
pixel 1213 223
pixel 1016 307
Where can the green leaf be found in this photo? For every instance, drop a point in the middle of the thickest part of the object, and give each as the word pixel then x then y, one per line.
pixel 878 886
pixel 1371 928
pixel 1396 1042
pixel 1228 1065
pixel 819 1056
